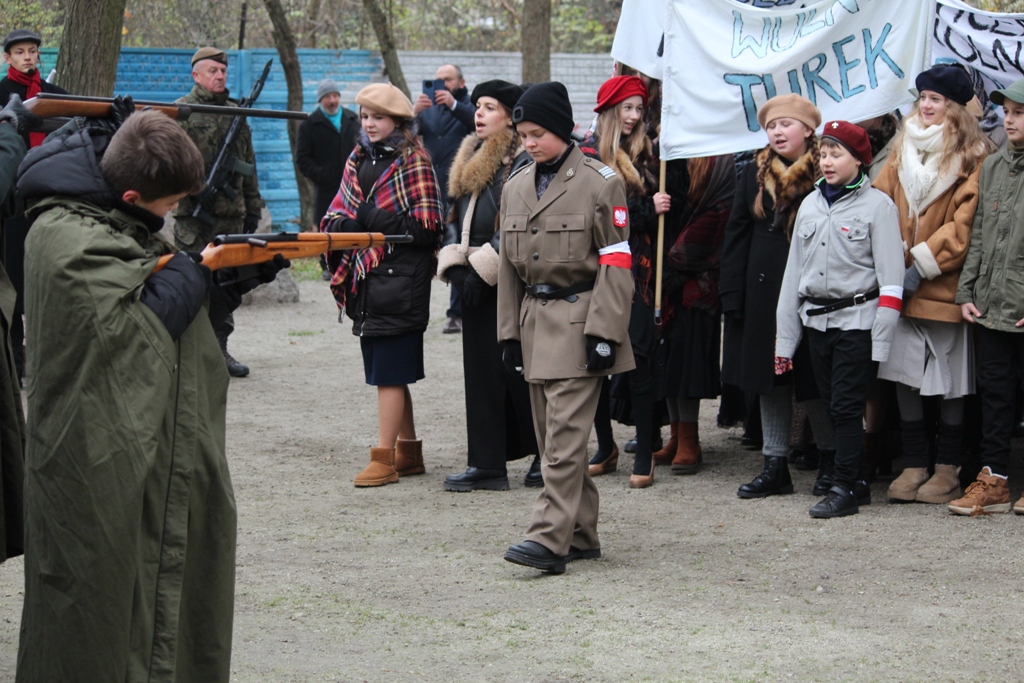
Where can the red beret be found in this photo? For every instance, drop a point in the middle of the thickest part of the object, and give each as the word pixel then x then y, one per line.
pixel 619 88
pixel 852 137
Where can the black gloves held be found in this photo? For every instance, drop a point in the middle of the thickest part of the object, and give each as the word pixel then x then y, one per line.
pixel 600 354
pixel 18 116
pixel 512 356
pixel 474 289
pixel 250 223
pixel 457 276
pixel 120 109
pixel 342 224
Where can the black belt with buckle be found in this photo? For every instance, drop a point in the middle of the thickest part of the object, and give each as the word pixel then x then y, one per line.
pixel 829 305
pixel 547 292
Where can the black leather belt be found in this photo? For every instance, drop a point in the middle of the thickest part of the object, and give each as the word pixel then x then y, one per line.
pixel 547 292
pixel 829 305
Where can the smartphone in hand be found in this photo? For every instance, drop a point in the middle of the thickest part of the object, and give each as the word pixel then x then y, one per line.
pixel 432 86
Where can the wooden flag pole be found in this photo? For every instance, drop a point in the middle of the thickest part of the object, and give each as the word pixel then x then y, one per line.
pixel 661 250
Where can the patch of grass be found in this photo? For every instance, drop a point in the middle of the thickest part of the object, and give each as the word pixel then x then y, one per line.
pixel 305 333
pixel 305 269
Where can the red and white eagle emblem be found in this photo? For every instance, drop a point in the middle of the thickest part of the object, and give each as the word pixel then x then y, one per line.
pixel 620 216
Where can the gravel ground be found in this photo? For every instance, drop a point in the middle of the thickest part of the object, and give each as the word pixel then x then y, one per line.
pixel 407 582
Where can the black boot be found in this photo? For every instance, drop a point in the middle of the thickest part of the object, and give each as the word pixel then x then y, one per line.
pixel 804 459
pixel 774 480
pixel 838 502
pixel 235 369
pixel 826 467
pixel 477 479
pixel 534 479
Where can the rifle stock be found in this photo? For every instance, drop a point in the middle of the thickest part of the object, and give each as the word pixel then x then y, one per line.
pixel 230 251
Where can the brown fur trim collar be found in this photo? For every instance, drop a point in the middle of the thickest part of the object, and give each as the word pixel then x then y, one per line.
pixel 476 163
pixel 630 176
pixel 788 185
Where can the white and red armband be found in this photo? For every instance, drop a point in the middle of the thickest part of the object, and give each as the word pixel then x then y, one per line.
pixel 616 255
pixel 891 296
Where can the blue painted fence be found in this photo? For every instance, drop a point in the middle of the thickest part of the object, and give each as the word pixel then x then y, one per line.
pixel 165 74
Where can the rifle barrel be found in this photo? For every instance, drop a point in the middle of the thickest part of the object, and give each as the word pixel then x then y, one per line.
pixel 197 108
pixel 256 239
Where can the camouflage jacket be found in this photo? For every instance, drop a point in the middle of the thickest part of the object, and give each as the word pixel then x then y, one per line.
pixel 208 132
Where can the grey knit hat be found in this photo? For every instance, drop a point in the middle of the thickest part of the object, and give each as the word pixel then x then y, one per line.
pixel 326 87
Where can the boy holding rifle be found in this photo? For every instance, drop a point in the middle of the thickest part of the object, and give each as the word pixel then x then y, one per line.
pixel 130 514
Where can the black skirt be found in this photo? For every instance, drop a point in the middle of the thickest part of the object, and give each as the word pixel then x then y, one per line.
pixel 393 361
pixel 688 355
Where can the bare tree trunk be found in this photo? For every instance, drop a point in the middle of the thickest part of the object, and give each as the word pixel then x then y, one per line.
pixel 313 21
pixel 387 45
pixel 87 62
pixel 285 43
pixel 535 38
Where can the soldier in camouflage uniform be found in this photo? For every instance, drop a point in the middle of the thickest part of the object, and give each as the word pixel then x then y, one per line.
pixel 241 214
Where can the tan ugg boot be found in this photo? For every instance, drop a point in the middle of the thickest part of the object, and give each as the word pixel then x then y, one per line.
pixel 409 457
pixel 943 487
pixel 904 488
pixel 664 455
pixel 688 452
pixel 381 469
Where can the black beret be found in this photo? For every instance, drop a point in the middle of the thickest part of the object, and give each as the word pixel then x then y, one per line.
pixel 949 80
pixel 503 91
pixel 21 35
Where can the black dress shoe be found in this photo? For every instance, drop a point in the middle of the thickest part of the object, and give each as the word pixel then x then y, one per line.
pixel 630 446
pixel 774 480
pixel 476 478
pixel 862 492
pixel 534 479
pixel 533 554
pixel 588 554
pixel 837 503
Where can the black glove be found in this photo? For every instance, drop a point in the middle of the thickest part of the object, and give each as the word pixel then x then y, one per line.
pixel 600 354
pixel 474 289
pixel 457 276
pixel 265 272
pixel 512 356
pixel 342 224
pixel 177 292
pixel 18 116
pixel 364 215
pixel 911 280
pixel 250 223
pixel 120 109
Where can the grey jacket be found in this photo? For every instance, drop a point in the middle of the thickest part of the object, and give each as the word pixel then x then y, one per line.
pixel 851 247
pixel 993 274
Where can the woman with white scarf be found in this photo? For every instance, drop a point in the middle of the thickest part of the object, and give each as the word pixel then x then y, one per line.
pixel 932 176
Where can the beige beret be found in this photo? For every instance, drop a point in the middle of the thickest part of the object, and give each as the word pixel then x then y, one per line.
pixel 790 107
pixel 387 99
pixel 214 53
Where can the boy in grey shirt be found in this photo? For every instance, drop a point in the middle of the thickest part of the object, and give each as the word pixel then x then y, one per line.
pixel 843 285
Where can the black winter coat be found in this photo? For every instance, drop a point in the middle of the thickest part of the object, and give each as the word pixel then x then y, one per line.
pixel 443 130
pixel 321 153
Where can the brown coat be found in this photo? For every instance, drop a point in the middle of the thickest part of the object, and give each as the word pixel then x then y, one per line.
pixel 555 240
pixel 943 233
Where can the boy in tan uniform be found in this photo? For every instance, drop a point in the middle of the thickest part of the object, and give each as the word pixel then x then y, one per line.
pixel 564 293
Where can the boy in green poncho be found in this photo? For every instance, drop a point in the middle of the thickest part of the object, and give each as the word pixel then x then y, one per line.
pixel 130 514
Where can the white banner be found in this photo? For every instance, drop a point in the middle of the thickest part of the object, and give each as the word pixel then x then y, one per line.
pixel 855 59
pixel 991 43
pixel 638 36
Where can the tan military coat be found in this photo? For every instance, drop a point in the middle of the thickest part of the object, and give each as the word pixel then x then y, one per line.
pixel 557 240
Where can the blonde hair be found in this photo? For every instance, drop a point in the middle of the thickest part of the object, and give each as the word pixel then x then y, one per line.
pixel 608 132
pixel 962 138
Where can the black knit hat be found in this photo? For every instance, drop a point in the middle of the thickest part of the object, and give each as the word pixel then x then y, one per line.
pixel 949 80
pixel 547 105
pixel 503 91
pixel 21 35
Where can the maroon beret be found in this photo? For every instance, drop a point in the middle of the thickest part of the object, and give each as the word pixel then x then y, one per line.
pixel 852 137
pixel 619 88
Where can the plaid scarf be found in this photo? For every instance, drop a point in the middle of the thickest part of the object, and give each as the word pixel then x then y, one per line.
pixel 408 186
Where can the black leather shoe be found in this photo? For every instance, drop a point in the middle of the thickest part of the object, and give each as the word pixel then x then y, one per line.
pixel 533 554
pixel 862 491
pixel 534 479
pixel 826 468
pixel 630 446
pixel 837 503
pixel 235 369
pixel 588 554
pixel 476 478
pixel 774 480
pixel 804 459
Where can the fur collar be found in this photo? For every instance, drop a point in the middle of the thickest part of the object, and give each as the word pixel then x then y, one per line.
pixel 630 176
pixel 787 185
pixel 476 163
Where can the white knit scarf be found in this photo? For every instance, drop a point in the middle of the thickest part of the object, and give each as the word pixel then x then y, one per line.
pixel 919 169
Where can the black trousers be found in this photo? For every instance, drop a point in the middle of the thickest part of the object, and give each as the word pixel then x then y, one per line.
pixel 843 369
pixel 999 364
pixel 499 419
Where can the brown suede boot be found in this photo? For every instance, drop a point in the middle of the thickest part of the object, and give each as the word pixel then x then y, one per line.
pixel 943 487
pixel 381 469
pixel 409 457
pixel 904 488
pixel 665 455
pixel 688 453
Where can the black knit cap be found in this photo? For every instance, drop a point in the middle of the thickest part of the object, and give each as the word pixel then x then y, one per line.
pixel 547 105
pixel 949 80
pixel 21 35
pixel 503 91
